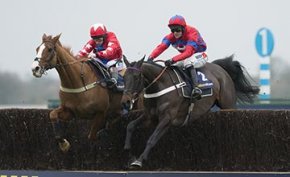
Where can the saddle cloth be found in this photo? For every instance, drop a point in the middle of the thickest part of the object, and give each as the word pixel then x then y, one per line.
pixel 102 71
pixel 203 83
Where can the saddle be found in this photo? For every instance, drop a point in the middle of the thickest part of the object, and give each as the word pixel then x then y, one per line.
pixel 103 72
pixel 202 82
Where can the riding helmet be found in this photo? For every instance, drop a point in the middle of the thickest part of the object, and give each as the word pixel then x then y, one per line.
pixel 98 30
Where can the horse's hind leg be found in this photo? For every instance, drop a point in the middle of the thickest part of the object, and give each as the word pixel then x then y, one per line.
pixel 57 116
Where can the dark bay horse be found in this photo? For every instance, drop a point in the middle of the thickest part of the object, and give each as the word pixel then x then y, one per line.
pixel 165 103
pixel 80 93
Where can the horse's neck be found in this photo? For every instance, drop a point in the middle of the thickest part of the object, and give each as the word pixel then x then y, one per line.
pixel 149 72
pixel 152 72
pixel 63 55
pixel 69 70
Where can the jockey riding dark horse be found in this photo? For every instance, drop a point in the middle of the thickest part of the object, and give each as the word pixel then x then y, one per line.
pixel 165 102
pixel 188 41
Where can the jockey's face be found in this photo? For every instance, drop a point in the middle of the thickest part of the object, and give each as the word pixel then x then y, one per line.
pixel 99 41
pixel 177 31
pixel 177 34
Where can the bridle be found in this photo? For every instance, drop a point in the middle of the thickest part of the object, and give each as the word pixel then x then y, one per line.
pixel 134 94
pixel 41 65
pixel 49 66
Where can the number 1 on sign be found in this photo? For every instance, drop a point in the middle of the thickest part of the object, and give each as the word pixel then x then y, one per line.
pixel 263 33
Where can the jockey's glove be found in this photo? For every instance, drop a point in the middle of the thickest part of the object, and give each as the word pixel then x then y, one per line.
pixel 150 60
pixel 92 56
pixel 168 62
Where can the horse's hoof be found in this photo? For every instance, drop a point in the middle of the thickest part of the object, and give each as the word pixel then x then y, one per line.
pixel 136 164
pixel 64 146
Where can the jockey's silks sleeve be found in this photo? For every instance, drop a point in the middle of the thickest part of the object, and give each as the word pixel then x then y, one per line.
pixel 110 49
pixel 158 50
pixel 190 43
pixel 188 52
pixel 113 49
pixel 90 45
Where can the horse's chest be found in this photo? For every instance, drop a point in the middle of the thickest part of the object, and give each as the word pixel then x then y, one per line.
pixel 82 110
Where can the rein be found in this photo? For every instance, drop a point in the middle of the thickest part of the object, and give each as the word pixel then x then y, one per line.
pixel 70 63
pixel 58 65
pixel 155 80
pixel 47 65
pixel 81 89
pixel 133 100
pixel 160 93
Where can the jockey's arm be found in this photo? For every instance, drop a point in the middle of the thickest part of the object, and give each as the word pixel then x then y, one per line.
pixel 158 50
pixel 110 51
pixel 86 50
pixel 188 52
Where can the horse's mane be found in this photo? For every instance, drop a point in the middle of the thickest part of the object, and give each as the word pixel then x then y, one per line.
pixel 153 64
pixel 68 51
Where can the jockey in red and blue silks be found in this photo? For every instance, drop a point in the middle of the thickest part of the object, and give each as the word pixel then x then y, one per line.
pixel 188 41
pixel 105 47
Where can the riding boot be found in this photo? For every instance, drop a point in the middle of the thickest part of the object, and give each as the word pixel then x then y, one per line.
pixel 196 92
pixel 114 79
pixel 111 82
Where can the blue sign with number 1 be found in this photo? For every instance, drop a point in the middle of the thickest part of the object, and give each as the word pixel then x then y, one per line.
pixel 264 42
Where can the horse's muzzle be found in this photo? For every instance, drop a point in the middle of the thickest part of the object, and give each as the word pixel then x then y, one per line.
pixel 37 71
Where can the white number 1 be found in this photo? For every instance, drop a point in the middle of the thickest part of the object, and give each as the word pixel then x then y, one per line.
pixel 263 33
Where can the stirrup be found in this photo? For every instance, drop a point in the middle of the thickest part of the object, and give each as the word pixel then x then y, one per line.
pixel 111 82
pixel 197 90
pixel 196 93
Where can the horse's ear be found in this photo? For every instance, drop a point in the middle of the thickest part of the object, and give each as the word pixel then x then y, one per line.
pixel 143 58
pixel 127 63
pixel 44 36
pixel 56 38
pixel 140 62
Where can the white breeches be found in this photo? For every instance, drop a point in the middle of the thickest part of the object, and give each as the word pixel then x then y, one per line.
pixel 197 60
pixel 119 64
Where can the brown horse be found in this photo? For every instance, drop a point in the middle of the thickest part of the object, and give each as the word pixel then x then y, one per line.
pixel 80 93
pixel 164 98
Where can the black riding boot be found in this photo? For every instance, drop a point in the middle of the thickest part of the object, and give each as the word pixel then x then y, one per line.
pixel 112 82
pixel 196 92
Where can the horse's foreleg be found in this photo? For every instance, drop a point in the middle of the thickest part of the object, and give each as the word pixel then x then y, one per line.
pixel 98 124
pixel 159 131
pixel 57 116
pixel 130 129
pixel 56 124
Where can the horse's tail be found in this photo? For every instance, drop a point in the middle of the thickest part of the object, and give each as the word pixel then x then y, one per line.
pixel 246 92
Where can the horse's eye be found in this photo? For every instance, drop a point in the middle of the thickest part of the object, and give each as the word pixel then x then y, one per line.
pixel 50 50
